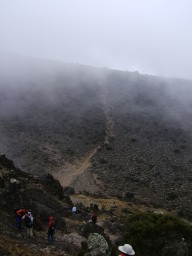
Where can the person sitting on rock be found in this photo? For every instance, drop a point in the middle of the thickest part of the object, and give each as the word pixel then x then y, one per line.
pixel 51 230
pixel 28 219
pixel 126 249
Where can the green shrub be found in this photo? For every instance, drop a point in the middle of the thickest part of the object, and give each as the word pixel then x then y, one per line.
pixel 149 233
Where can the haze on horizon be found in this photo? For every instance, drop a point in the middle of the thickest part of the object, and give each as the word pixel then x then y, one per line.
pixel 153 37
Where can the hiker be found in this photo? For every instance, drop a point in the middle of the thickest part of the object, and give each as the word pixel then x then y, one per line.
pixel 51 230
pixel 19 213
pixel 74 209
pixel 28 219
pixel 126 249
pixel 89 216
pixel 93 217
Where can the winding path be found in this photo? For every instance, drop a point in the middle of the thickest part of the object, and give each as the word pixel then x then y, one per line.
pixel 77 174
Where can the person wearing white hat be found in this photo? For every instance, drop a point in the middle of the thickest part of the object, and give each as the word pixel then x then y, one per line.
pixel 126 249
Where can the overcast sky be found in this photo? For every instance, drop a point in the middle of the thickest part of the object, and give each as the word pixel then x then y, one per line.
pixel 151 36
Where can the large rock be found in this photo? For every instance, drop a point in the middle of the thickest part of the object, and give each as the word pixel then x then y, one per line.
pixel 5 162
pixel 97 244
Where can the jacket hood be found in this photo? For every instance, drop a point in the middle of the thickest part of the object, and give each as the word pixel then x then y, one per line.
pixel 51 218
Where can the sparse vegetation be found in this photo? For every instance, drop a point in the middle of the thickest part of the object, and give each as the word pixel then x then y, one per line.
pixel 150 234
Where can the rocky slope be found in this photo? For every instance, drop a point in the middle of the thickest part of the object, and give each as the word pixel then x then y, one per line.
pixel 102 131
pixel 45 197
pixel 148 156
pixel 118 221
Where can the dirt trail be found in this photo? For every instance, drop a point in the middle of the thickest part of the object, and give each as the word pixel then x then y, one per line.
pixel 19 244
pixel 77 174
pixel 70 171
pixel 108 111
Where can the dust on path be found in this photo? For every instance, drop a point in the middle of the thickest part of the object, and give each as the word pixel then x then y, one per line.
pixel 77 174
pixel 108 111
pixel 69 172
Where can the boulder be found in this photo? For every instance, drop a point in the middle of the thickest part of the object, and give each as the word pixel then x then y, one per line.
pixel 97 245
pixel 5 162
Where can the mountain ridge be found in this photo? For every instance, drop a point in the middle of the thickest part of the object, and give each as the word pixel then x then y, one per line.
pixel 134 130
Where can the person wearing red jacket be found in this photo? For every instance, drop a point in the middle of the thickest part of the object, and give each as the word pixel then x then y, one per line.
pixel 51 230
pixel 93 217
pixel 19 213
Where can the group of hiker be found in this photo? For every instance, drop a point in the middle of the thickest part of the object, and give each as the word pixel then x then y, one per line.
pixel 23 215
pixel 92 217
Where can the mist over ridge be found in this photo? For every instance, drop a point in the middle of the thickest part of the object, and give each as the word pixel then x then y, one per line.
pixel 96 127
pixel 114 126
pixel 151 37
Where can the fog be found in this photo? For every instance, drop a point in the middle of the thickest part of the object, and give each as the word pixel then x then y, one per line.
pixel 52 111
pixel 99 93
pixel 153 37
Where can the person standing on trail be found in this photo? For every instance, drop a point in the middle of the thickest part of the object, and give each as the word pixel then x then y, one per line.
pixel 126 249
pixel 19 213
pixel 51 230
pixel 28 219
pixel 74 209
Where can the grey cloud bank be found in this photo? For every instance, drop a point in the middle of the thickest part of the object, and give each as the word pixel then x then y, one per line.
pixel 153 37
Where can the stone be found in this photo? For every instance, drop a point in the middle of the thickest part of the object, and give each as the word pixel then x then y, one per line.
pixel 97 244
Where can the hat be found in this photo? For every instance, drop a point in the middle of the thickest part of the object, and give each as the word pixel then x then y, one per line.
pixel 127 249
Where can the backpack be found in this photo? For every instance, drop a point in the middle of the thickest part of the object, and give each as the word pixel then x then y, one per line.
pixel 52 226
pixel 28 222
